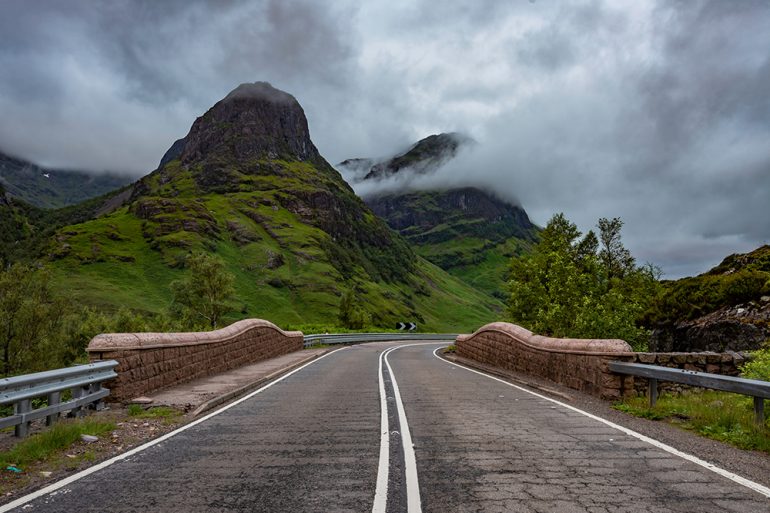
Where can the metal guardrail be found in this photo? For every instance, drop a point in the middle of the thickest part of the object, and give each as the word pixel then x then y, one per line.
pixel 758 389
pixel 353 338
pixel 83 380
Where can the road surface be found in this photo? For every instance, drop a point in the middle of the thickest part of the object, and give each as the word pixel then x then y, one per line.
pixel 322 440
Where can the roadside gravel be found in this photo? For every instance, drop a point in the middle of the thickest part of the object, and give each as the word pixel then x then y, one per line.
pixel 130 431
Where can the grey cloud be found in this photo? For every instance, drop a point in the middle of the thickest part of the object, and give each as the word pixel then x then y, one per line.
pixel 77 68
pixel 654 112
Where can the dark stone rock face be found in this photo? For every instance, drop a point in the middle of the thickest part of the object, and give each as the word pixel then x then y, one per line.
pixel 737 328
pixel 254 121
pixel 425 156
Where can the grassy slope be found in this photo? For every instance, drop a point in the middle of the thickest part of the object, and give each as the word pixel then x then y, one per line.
pixel 474 250
pixel 282 273
pixel 487 267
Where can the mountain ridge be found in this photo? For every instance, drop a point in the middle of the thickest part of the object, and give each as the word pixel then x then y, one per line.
pixel 54 188
pixel 247 184
pixel 466 231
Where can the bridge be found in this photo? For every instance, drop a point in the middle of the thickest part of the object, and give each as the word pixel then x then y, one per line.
pixel 394 427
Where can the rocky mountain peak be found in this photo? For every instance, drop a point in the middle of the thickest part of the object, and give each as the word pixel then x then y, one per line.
pixel 254 121
pixel 424 157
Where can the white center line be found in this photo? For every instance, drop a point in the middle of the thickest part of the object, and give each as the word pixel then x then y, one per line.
pixel 381 492
pixel 410 461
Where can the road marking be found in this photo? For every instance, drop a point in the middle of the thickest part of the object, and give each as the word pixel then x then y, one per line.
pixel 410 461
pixel 763 490
pixel 381 491
pixel 64 482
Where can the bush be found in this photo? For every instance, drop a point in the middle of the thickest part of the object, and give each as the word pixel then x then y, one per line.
pixel 759 365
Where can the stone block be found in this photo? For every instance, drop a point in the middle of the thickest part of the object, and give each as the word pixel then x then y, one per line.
pixel 646 357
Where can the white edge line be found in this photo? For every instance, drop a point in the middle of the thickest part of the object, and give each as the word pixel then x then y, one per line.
pixel 90 470
pixel 763 490
pixel 410 462
pixel 381 491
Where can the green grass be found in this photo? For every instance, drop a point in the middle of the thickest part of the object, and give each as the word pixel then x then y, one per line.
pixel 718 415
pixel 52 442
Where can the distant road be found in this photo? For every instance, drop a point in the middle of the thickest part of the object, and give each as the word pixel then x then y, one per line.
pixel 315 442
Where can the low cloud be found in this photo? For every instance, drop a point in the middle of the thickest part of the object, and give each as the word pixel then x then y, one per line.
pixel 655 112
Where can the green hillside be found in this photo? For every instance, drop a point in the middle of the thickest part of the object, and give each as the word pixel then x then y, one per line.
pixel 740 278
pixel 247 185
pixel 465 231
pixel 284 270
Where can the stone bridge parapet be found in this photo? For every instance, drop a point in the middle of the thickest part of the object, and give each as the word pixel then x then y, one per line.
pixel 581 364
pixel 151 361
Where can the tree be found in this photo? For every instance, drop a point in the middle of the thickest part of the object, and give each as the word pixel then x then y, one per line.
pixel 568 287
pixel 30 319
pixel 351 315
pixel 203 297
pixel 616 259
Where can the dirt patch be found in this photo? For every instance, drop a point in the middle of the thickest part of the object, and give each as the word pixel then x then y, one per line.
pixel 130 431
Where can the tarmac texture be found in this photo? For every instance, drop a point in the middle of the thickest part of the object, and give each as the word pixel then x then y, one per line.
pixel 311 443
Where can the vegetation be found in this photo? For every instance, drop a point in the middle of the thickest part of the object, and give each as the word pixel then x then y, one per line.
pixel 30 317
pixel 52 441
pixel 738 279
pixel 352 316
pixel 583 287
pixel 718 415
pixel 205 295
pixel 758 367
pixel 467 232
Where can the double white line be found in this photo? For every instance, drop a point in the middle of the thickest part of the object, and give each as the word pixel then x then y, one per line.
pixel 410 463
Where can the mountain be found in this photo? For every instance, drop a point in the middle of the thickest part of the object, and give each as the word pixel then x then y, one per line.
pixel 724 309
pixel 53 188
pixel 248 184
pixel 466 231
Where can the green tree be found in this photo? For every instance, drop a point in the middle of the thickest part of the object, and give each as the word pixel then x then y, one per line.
pixel 30 319
pixel 615 258
pixel 352 316
pixel 570 287
pixel 204 296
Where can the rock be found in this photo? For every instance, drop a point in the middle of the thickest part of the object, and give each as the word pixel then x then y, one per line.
pixel 89 439
pixel 46 473
pixel 142 400
pixel 257 120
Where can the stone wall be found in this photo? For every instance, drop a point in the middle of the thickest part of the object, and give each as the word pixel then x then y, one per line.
pixel 727 364
pixel 151 361
pixel 581 364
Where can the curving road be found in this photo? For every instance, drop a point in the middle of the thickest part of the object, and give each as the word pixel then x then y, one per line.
pixel 322 439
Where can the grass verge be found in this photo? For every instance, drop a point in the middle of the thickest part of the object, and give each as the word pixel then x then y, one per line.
pixel 717 415
pixel 48 444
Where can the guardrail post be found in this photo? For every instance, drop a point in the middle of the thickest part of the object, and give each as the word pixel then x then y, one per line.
pixel 20 408
pixel 53 398
pixel 759 411
pixel 98 405
pixel 653 391
pixel 77 393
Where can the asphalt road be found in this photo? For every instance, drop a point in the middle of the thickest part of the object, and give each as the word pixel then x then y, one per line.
pixel 313 442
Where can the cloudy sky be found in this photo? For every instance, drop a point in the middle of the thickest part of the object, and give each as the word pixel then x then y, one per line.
pixel 655 112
